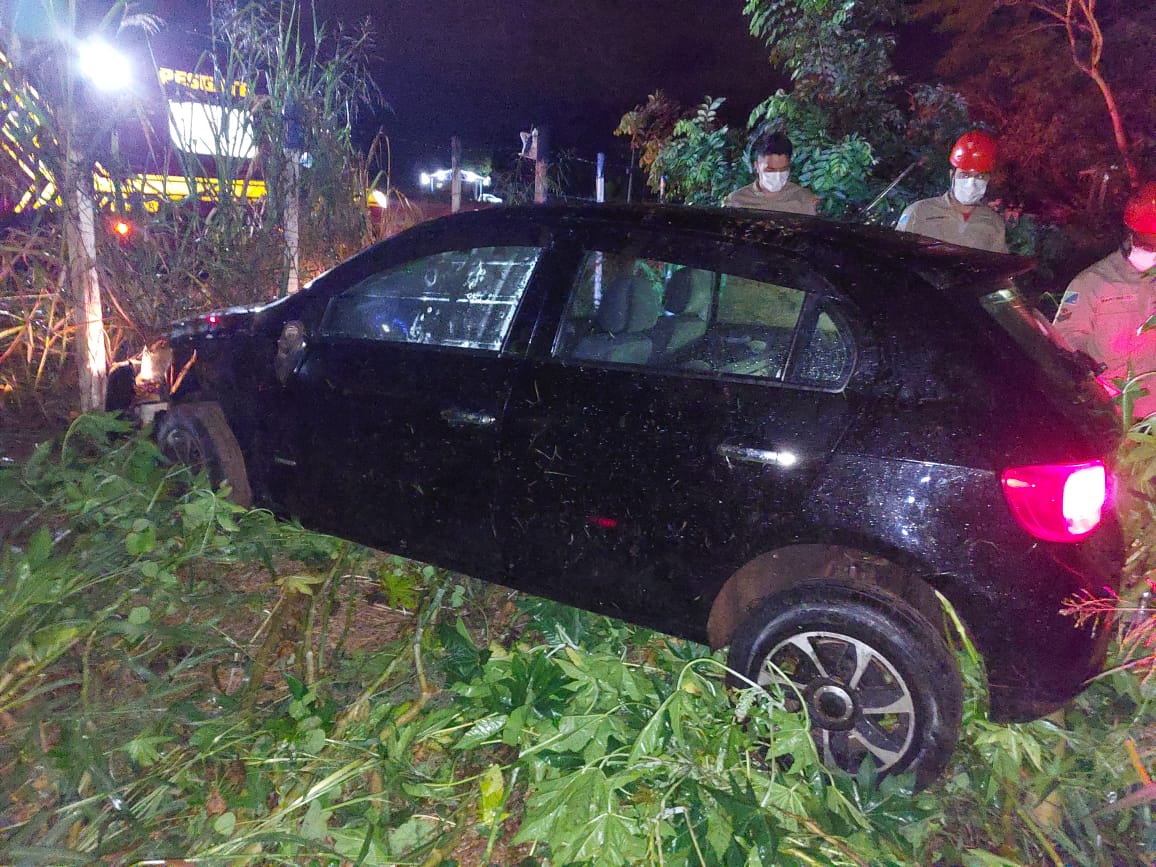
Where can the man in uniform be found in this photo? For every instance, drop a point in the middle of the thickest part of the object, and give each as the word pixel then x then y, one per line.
pixel 1106 306
pixel 959 215
pixel 772 190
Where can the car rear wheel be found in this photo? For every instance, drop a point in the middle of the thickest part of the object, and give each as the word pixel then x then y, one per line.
pixel 876 679
pixel 198 436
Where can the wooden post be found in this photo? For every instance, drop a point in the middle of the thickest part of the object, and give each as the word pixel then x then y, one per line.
pixel 541 163
pixel 630 175
pixel 456 173
pixel 600 179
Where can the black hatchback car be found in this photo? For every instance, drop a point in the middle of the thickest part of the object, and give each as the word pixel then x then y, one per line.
pixel 779 434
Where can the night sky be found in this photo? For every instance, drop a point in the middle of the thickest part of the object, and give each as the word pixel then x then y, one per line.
pixel 484 72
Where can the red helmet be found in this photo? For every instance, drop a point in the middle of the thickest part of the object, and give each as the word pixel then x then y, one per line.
pixel 974 152
pixel 1140 212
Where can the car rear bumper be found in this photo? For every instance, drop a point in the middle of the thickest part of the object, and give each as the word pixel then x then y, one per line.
pixel 1039 653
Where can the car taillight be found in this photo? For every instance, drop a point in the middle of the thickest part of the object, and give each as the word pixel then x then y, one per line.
pixel 1057 502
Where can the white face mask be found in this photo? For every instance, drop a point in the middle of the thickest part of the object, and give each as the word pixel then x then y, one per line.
pixel 968 191
pixel 772 182
pixel 1142 260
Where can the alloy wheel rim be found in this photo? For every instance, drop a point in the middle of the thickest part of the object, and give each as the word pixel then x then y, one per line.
pixel 183 448
pixel 858 703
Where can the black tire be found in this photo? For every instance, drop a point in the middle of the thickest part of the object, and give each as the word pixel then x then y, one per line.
pixel 198 436
pixel 852 652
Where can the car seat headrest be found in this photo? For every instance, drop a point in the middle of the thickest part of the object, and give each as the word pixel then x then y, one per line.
pixel 628 305
pixel 688 292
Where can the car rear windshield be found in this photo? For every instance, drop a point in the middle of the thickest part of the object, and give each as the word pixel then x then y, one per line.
pixel 1036 336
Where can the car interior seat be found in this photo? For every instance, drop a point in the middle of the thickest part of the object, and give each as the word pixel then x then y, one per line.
pixel 687 302
pixel 628 309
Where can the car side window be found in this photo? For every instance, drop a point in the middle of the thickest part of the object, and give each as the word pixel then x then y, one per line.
pixel 827 356
pixel 627 309
pixel 462 298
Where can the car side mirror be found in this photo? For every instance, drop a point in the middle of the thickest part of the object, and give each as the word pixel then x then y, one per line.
pixel 290 350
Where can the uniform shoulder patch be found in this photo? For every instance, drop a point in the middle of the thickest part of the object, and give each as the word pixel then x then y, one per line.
pixel 1071 297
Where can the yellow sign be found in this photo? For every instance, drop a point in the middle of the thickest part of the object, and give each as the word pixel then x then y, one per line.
pixel 198 81
pixel 176 187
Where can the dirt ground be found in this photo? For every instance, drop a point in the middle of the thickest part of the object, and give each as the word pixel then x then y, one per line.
pixel 26 421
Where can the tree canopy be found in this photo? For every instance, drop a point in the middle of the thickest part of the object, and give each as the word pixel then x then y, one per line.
pixel 1049 74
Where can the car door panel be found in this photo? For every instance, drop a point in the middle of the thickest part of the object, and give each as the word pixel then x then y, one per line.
pixel 403 386
pixel 634 490
pixel 403 447
pixel 624 481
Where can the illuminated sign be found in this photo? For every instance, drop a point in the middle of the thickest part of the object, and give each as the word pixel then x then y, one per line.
pixel 198 128
pixel 175 187
pixel 198 81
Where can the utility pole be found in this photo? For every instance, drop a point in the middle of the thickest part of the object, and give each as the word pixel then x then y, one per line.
pixel 455 174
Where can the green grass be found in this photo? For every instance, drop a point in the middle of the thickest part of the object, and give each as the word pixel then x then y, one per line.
pixel 184 680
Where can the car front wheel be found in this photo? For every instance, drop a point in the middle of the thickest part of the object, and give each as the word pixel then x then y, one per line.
pixel 198 436
pixel 875 677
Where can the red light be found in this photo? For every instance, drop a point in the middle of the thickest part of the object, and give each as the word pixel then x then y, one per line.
pixel 1105 382
pixel 602 522
pixel 212 318
pixel 1057 502
pixel 122 228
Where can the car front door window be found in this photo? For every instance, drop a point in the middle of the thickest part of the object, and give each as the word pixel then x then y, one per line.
pixel 457 298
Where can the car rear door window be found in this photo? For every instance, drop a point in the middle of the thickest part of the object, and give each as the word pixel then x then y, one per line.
pixel 629 309
pixel 459 298
pixel 827 355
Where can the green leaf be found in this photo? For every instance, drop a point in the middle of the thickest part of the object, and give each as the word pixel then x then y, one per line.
pixel 39 548
pixel 47 643
pixel 575 732
pixel 315 822
pixel 354 839
pixel 300 583
pixel 493 796
pixel 982 858
pixel 225 823
pixel 482 731
pixel 313 741
pixel 139 615
pixel 653 735
pixel 142 542
pixel 142 749
pixel 415 833
pixel 607 839
pixel 562 805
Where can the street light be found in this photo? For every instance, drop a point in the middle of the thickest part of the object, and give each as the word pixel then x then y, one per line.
pixel 104 66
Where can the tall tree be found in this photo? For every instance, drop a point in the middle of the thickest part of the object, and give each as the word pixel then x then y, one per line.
pixel 1068 81
pixel 856 123
pixel 44 37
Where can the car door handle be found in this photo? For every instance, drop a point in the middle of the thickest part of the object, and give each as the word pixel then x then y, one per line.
pixel 457 417
pixel 782 458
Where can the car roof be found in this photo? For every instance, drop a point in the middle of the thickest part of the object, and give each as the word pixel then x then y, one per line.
pixel 942 264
